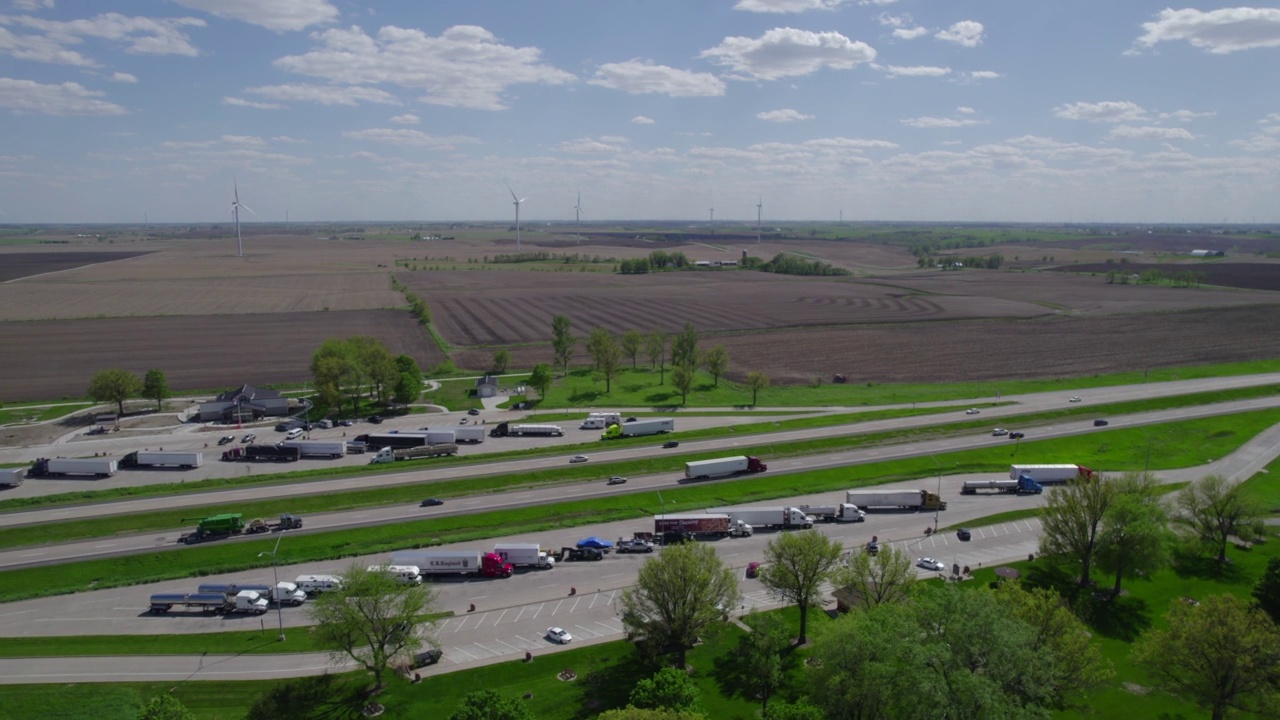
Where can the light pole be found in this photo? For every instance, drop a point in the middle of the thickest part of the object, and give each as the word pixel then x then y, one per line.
pixel 276 587
pixel 938 504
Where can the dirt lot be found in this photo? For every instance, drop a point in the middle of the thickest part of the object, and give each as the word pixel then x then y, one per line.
pixel 1253 276
pixel 27 264
pixel 54 359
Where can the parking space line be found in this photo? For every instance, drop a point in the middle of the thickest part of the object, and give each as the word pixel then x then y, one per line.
pixel 575 603
pixel 588 631
pixel 535 612
pixel 460 650
pixel 513 647
pixel 464 622
pixel 504 614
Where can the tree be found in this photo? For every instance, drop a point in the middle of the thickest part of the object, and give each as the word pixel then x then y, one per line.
pixel 336 370
pixel 717 361
pixel 375 365
pixel 1213 509
pixel 631 342
pixel 656 348
pixel 1060 637
pixel 155 386
pixel 562 340
pixel 114 385
pixel 756 381
pixel 682 380
pixel 1072 522
pixel 540 379
pixel 373 619
pixel 871 580
pixel 668 689
pixel 795 567
pixel 1220 654
pixel 684 348
pixel 755 668
pixel 409 383
pixel 489 705
pixel 676 596
pixel 501 359
pixel 632 712
pixel 165 707
pixel 1135 529
pixel 1267 592
pixel 606 354
pixel 793 711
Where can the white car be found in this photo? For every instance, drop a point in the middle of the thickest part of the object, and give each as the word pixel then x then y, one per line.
pixel 999 432
pixel 930 564
pixel 579 458
pixel 1075 399
pixel 559 635
pixel 972 411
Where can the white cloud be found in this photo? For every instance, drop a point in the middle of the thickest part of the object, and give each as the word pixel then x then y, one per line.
pixel 410 137
pixel 787 52
pixel 589 146
pixel 1108 111
pixel 27 96
pixel 275 15
pixel 39 48
pixel 787 6
pixel 146 36
pixel 406 119
pixel 918 71
pixel 984 75
pixel 466 66
pixel 32 5
pixel 123 78
pixel 965 110
pixel 641 120
pixel 223 141
pixel 241 102
pixel 910 33
pixel 1219 31
pixel 937 122
pixel 287 139
pixel 966 33
pixel 325 94
pixel 1185 115
pixel 784 115
pixel 1151 133
pixel 840 143
pixel 640 77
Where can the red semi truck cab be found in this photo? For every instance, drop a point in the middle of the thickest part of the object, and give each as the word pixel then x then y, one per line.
pixel 491 565
pixel 755 466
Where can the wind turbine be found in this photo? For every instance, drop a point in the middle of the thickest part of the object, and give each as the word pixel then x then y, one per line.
pixel 759 213
pixel 577 218
pixel 516 201
pixel 235 210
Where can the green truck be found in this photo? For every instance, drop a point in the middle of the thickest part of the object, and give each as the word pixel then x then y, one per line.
pixel 214 527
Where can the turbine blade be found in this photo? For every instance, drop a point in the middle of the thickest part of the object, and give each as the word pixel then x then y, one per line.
pixel 513 194
pixel 246 207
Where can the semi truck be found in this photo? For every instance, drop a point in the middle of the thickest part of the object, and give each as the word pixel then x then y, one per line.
pixel 161 458
pixel 700 524
pixel 505 429
pixel 454 562
pixel 895 499
pixel 12 477
pixel 440 436
pixel 262 453
pixel 1050 474
pixel 786 518
pixel 471 434
pixel 390 455
pixel 393 440
pixel 1024 485
pixel 245 601
pixel 656 426
pixel 407 574
pixel 214 527
pixel 288 521
pixel 61 467
pixel 524 555
pixel 844 512
pixel 284 593
pixel 318 448
pixel 723 467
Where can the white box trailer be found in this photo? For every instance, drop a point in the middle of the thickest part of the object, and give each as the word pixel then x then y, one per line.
pixel 12 477
pixel 722 467
pixel 318 448
pixel 471 434
pixel 767 517
pixel 535 429
pixel 608 417
pixel 525 555
pixel 895 499
pixel 59 467
pixel 593 423
pixel 405 573
pixel 1050 474
pixel 162 458
pixel 389 455
pixel 843 512
pixel 655 426
pixel 441 437
pixel 455 562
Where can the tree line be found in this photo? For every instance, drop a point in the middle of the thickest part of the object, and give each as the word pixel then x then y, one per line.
pixel 116 385
pixel 353 367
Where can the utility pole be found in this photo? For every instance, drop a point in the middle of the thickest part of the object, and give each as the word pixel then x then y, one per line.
pixel 275 575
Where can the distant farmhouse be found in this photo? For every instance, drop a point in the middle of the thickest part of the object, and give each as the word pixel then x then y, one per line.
pixel 1208 253
pixel 246 404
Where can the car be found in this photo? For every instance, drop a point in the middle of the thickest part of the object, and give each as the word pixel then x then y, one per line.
pixel 559 635
pixel 670 444
pixel 617 480
pixel 753 569
pixel 1075 399
pixel 594 542
pixel 473 411
pixel 225 439
pixel 579 458
pixel 630 419
pixel 346 423
pixel 431 502
pixel 999 431
pixel 284 427
pixel 325 424
pixel 375 419
pixel 964 534
pixel 248 438
pixel 463 421
pixel 1100 423
pixel 1016 435
pixel 427 657
pixel 972 411
pixel 930 564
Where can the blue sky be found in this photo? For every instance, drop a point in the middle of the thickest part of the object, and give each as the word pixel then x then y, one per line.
pixel 965 110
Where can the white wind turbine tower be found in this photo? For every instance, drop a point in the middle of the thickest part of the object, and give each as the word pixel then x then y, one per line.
pixel 759 214
pixel 516 201
pixel 235 210
pixel 577 218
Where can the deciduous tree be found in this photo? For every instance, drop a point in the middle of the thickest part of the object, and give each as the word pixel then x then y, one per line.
pixel 755 668
pixel 489 705
pixel 1220 654
pixel 608 355
pixel 155 386
pixel 684 349
pixel 501 359
pixel 756 381
pixel 409 383
pixel 631 342
pixel 540 379
pixel 656 348
pixel 677 595
pixel 165 707
pixel 1135 529
pixel 373 619
pixel 114 385
pixel 631 712
pixel 871 580
pixel 1072 522
pixel 335 367
pixel 668 689
pixel 682 380
pixel 1213 509
pixel 717 362
pixel 1267 591
pixel 795 567
pixel 1059 637
pixel 562 341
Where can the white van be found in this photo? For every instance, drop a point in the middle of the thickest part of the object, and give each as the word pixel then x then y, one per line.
pixel 407 574
pixel 313 584
pixel 293 434
pixel 595 423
